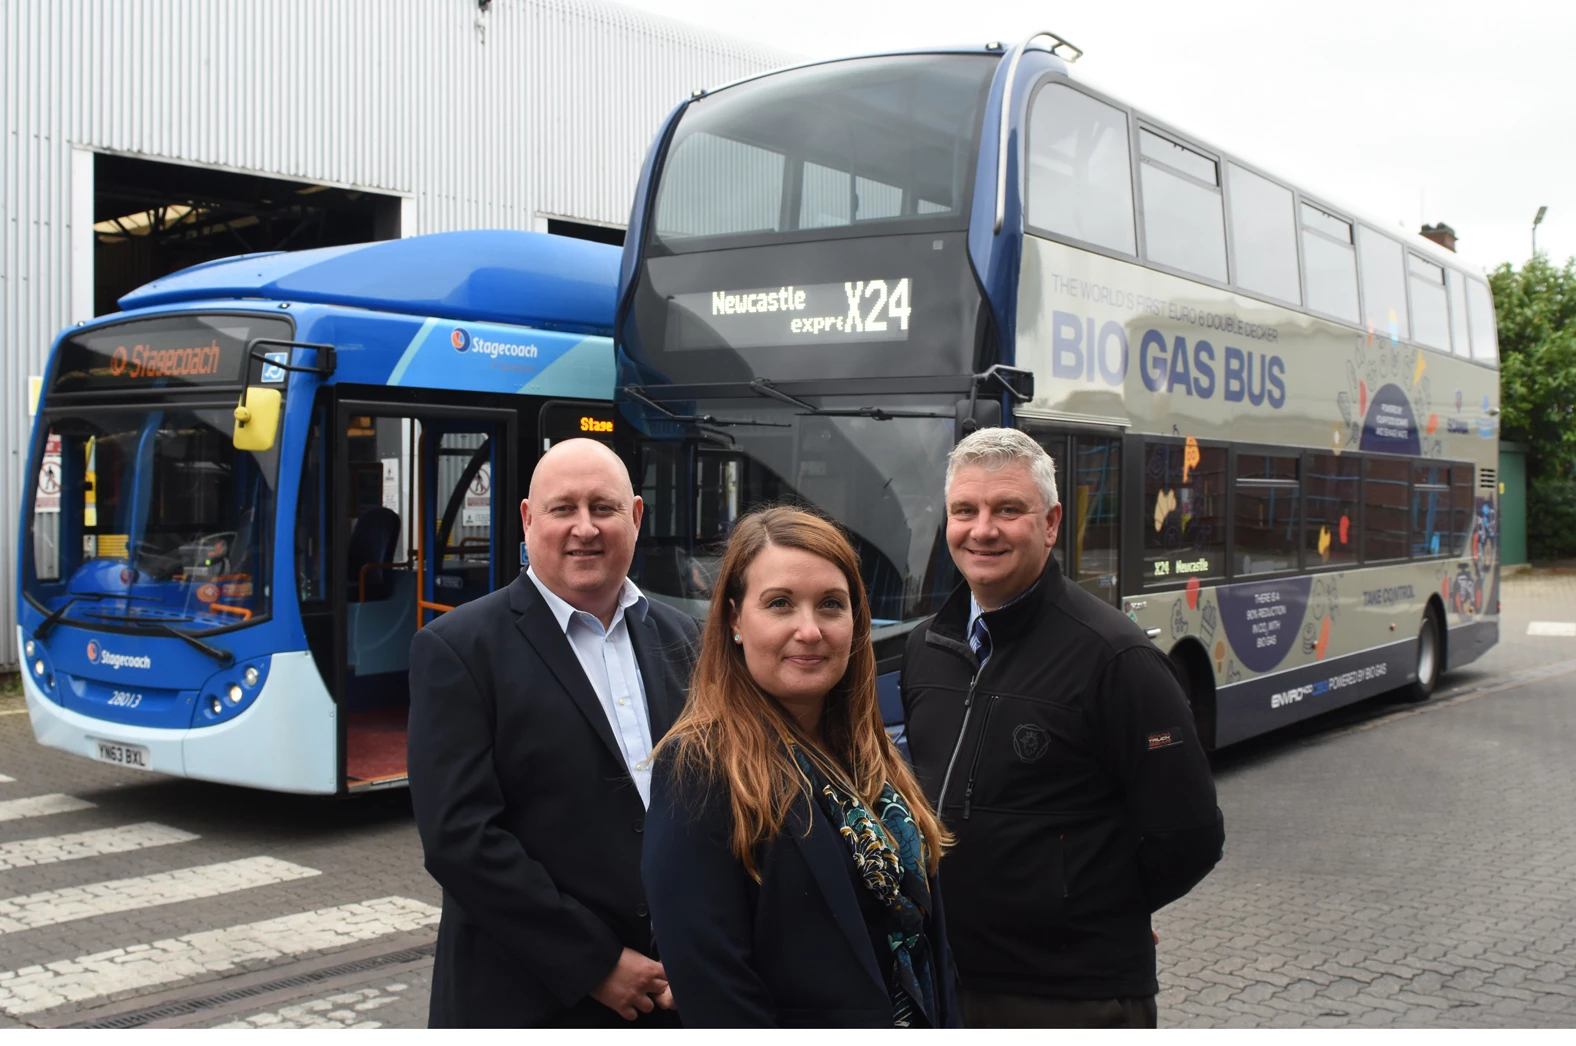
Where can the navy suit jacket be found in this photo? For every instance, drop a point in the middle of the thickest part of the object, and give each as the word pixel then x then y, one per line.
pixel 528 817
pixel 790 951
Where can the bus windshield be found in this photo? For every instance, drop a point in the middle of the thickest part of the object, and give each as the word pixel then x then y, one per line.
pixel 827 150
pixel 150 518
pixel 880 479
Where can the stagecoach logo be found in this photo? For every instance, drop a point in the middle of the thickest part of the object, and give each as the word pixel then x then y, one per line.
pixel 99 656
pixel 1031 742
pixel 460 339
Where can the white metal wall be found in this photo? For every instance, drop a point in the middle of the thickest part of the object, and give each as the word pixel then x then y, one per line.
pixel 479 118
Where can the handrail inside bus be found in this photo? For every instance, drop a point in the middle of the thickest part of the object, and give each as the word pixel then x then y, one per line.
pixel 423 604
pixel 1006 112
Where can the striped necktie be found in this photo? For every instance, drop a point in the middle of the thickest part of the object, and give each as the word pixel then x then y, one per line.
pixel 979 639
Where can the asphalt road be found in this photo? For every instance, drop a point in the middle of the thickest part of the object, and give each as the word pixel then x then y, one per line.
pixel 1386 865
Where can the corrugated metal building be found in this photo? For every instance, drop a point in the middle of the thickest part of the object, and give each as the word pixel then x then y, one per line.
pixel 451 114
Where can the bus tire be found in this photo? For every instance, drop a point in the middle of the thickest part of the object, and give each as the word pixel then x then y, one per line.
pixel 1430 658
pixel 1192 665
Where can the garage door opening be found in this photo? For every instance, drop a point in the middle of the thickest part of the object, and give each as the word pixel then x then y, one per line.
pixel 586 231
pixel 152 219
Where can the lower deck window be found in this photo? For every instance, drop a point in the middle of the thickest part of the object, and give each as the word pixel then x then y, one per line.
pixel 1385 499
pixel 1185 512
pixel 1268 490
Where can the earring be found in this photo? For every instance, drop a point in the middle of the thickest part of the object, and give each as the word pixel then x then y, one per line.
pixel 736 638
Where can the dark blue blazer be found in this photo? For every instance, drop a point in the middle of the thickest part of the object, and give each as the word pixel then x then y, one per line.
pixel 790 951
pixel 527 814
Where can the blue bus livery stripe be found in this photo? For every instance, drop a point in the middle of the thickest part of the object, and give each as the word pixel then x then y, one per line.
pixel 410 350
pixel 487 357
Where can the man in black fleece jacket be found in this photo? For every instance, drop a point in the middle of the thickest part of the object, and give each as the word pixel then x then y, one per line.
pixel 1057 744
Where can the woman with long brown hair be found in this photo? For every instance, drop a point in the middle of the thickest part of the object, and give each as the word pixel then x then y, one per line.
pixel 790 856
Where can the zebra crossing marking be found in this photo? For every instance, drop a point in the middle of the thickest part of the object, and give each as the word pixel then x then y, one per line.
pixel 41 805
pixel 341 1010
pixel 32 989
pixel 31 911
pixel 50 849
pixel 4 780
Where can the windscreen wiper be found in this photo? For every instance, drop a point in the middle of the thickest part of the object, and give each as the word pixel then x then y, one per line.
pixel 58 615
pixel 47 625
pixel 765 387
pixel 638 394
pixel 219 654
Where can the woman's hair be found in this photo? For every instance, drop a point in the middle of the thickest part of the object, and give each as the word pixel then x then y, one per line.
pixel 733 733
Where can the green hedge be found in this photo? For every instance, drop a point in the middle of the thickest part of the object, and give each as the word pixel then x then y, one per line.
pixel 1551 519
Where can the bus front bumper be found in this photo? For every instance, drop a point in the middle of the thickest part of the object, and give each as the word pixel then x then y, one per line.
pixel 287 741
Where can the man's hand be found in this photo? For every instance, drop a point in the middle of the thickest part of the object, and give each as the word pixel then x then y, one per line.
pixel 629 988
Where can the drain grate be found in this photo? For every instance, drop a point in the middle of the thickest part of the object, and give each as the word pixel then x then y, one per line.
pixel 182 1007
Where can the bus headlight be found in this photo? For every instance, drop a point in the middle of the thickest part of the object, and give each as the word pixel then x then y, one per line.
pixel 235 693
pixel 250 676
pixel 215 706
pixel 38 668
pixel 30 648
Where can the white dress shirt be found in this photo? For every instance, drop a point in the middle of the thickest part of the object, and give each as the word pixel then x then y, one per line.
pixel 608 658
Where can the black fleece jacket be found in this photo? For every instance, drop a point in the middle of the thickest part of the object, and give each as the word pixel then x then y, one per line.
pixel 1074 781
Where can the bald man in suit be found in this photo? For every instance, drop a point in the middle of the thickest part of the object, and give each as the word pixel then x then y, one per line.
pixel 533 714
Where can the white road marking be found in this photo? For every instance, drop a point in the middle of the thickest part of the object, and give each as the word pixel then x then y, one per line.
pixel 1551 628
pixel 31 911
pixel 7 780
pixel 40 805
pixel 341 1010
pixel 50 849
pixel 35 988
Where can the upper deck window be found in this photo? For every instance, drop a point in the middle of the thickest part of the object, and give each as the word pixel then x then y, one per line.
pixel 1184 224
pixel 1080 169
pixel 1263 235
pixel 1480 316
pixel 1458 313
pixel 690 203
pixel 827 149
pixel 1384 284
pixel 1430 311
pixel 1331 261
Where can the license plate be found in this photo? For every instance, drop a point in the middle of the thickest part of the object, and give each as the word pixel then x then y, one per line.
pixel 134 756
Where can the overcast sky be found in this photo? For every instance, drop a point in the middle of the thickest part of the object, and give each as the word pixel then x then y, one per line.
pixel 1406 112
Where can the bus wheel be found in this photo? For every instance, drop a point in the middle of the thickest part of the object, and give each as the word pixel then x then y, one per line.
pixel 1192 665
pixel 1430 659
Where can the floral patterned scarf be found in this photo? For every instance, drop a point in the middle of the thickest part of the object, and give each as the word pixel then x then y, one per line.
pixel 889 853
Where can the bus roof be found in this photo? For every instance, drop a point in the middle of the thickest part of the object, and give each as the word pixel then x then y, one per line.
pixel 490 275
pixel 1413 240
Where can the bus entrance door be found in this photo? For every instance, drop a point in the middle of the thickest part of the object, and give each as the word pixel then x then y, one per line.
pixel 1089 482
pixel 426 503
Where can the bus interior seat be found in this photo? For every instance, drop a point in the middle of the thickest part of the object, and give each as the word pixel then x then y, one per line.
pixel 372 543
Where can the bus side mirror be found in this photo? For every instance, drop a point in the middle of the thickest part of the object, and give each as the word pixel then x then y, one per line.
pixel 257 419
pixel 972 415
pixel 1016 380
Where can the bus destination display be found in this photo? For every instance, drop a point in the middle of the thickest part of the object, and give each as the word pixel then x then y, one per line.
pixel 561 421
pixel 874 310
pixel 171 351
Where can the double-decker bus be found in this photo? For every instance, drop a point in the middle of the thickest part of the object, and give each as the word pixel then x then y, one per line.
pixel 259 479
pixel 1274 422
